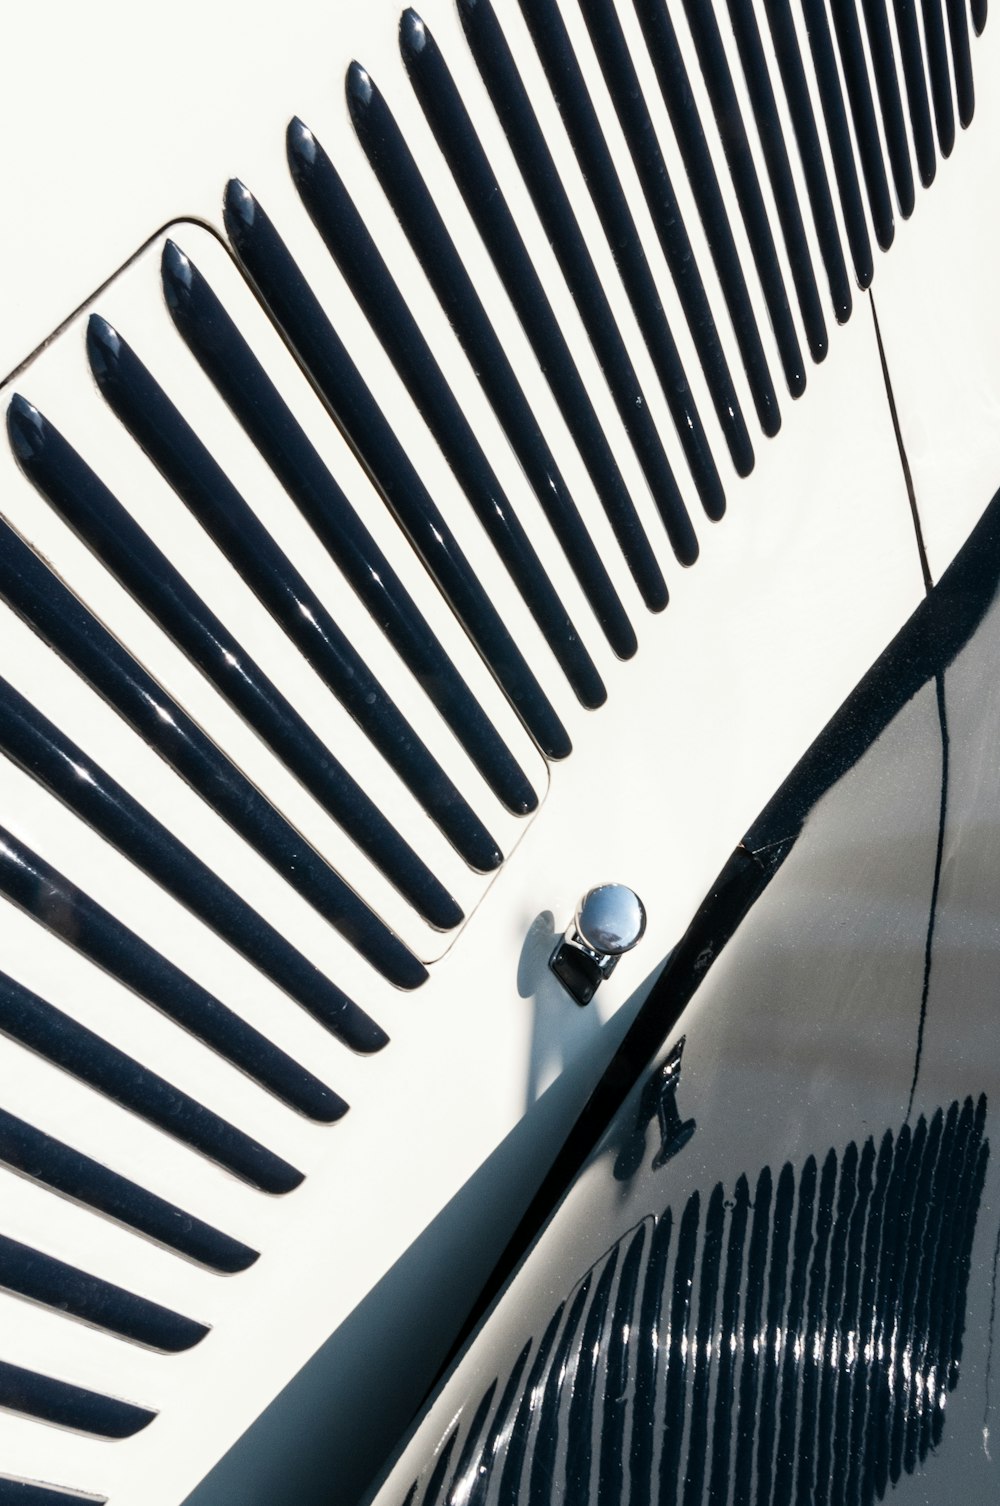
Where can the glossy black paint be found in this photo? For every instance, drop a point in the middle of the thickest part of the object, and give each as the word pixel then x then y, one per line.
pixel 848 28
pixel 502 1416
pixel 826 1312
pixel 474 1436
pixel 939 629
pixel 85 925
pixel 678 1313
pixel 838 133
pixel 890 100
pixel 65 1406
pixel 512 1465
pixel 86 504
pixel 924 649
pixel 61 1040
pixel 698 1461
pixel 41 1278
pixel 300 317
pixel 21 1493
pixel 610 1475
pixel 671 73
pixel 227 358
pixel 940 74
pixel 830 1291
pixel 177 452
pixel 420 218
pixel 911 52
pixel 62 621
pixel 980 9
pixel 514 107
pixel 722 95
pixel 658 1101
pixel 34 743
pixel 44 1159
pixel 352 246
pixel 567 83
pixel 456 135
pixel 786 198
pixel 961 57
pixel 793 78
pixel 577 971
pixel 579 1433
pixel 541 1465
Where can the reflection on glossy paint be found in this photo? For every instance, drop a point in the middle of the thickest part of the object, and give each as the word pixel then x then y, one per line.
pixel 792 1342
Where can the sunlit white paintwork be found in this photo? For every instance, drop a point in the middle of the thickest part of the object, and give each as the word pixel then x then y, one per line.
pixel 134 123
pixel 939 311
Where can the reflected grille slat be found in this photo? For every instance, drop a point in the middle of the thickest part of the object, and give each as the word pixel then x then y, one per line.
pixel 796 1346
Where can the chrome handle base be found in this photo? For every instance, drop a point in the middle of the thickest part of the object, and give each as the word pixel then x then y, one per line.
pixel 609 921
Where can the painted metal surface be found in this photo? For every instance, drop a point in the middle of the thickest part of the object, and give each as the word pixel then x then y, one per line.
pixel 795 590
pixel 756 1316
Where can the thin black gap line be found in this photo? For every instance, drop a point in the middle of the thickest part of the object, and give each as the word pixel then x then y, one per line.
pixel 63 326
pixel 942 719
pixel 989 1351
pixel 911 494
pixel 935 887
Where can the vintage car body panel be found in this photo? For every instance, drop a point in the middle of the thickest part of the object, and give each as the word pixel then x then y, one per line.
pixel 821 1326
pixel 381 1252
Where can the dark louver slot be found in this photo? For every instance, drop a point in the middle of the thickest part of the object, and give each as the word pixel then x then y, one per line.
pixel 24 1493
pixel 34 743
pixel 838 132
pixel 83 924
pixel 859 94
pixel 177 452
pixel 567 83
pixel 53 1035
pixel 722 94
pixel 32 591
pixel 443 412
pixel 53 1283
pixel 459 142
pixel 350 243
pixel 82 499
pixel 300 316
pixel 795 1340
pixel 937 63
pixel 675 87
pixel 961 54
pixel 47 1160
pixel 887 84
pixel 473 1439
pixel 66 1406
pixel 911 51
pixel 227 358
pixel 786 197
pixel 522 1417
pixel 552 204
pixel 793 78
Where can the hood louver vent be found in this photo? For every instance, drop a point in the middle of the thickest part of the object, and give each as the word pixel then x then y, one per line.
pixel 357 687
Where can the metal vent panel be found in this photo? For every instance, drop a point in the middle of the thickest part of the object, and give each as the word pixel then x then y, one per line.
pixel 722 694
pixel 135 302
